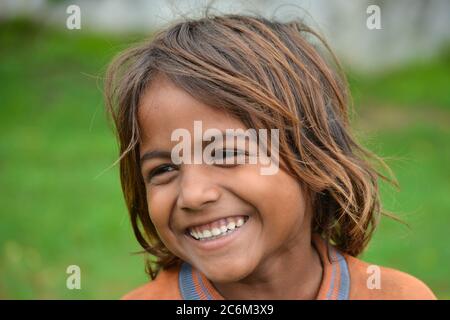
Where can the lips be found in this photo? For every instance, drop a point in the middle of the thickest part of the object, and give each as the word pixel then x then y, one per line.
pixel 217 228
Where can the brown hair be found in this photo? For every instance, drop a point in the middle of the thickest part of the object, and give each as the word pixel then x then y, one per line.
pixel 269 75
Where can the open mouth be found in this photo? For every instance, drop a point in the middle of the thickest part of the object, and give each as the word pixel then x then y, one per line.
pixel 217 229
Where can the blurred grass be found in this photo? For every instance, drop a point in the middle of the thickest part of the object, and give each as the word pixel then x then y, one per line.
pixel 58 209
pixel 419 83
pixel 403 115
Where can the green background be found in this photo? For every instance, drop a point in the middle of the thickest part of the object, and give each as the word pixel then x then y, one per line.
pixel 61 203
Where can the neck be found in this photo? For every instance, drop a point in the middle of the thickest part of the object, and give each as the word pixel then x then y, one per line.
pixel 299 265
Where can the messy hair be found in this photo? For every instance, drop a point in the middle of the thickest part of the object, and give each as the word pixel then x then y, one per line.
pixel 269 74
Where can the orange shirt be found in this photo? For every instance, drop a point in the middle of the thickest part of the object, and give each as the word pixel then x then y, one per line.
pixel 344 277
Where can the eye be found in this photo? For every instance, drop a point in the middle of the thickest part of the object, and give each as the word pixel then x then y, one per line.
pixel 160 174
pixel 225 153
pixel 222 154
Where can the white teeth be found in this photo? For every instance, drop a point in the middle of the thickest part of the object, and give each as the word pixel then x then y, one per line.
pixel 194 234
pixel 207 234
pixel 218 231
pixel 231 225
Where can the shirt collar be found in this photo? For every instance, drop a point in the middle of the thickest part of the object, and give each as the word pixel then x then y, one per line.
pixel 335 283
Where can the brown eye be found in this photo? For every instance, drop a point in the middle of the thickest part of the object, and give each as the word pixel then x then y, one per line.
pixel 222 157
pixel 227 153
pixel 160 172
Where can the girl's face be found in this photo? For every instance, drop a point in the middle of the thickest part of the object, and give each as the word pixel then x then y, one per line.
pixel 207 198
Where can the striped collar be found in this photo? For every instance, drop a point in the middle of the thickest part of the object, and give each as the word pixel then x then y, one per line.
pixel 335 283
pixel 336 277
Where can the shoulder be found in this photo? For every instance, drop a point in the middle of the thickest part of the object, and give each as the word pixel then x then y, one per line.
pixel 163 287
pixel 370 281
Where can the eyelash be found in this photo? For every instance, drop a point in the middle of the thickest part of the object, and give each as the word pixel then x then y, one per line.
pixel 161 169
pixel 235 152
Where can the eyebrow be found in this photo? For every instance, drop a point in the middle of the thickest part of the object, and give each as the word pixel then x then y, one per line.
pixel 155 154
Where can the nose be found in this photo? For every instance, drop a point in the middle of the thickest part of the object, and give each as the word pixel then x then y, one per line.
pixel 197 189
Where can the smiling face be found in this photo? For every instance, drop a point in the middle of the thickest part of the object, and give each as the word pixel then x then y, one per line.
pixel 248 221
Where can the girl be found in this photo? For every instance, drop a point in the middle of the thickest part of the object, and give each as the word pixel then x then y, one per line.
pixel 220 229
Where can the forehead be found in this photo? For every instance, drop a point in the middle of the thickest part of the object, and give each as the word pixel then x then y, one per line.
pixel 164 107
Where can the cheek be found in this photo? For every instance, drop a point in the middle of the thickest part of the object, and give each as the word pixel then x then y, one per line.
pixel 159 207
pixel 287 205
pixel 278 199
pixel 160 204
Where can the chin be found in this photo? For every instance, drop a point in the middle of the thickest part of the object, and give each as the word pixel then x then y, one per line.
pixel 227 272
